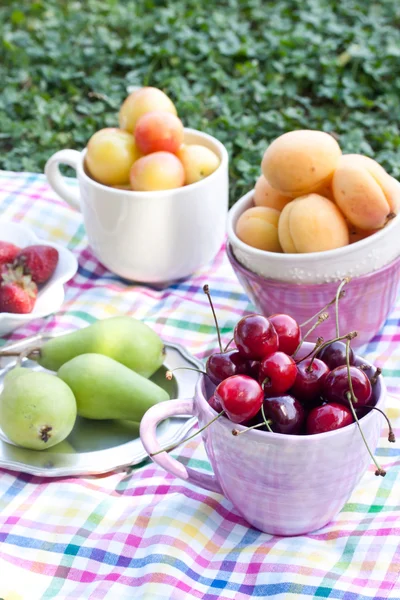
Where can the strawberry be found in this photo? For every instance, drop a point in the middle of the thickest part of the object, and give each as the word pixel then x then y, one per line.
pixel 17 292
pixel 38 261
pixel 8 252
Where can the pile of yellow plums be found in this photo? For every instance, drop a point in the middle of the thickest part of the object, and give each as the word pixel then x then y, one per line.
pixel 311 197
pixel 147 152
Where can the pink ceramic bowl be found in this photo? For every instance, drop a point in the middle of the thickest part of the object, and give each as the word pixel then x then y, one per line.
pixel 281 484
pixel 364 308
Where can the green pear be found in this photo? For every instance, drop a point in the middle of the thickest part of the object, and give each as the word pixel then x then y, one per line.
pixel 37 410
pixel 125 339
pixel 106 389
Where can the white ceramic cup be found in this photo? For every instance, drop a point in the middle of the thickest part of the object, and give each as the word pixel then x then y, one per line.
pixel 150 237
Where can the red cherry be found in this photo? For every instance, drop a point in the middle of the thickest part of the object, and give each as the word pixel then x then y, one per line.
pixel 277 373
pixel 215 403
pixel 255 337
pixel 334 355
pixel 309 380
pixel 253 369
pixel 328 417
pixel 221 365
pixel 336 386
pixel 288 331
pixel 285 413
pixel 240 396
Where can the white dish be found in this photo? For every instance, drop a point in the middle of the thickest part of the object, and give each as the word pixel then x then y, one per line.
pixel 360 258
pixel 51 295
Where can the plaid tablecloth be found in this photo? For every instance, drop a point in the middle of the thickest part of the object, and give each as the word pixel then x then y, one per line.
pixel 143 534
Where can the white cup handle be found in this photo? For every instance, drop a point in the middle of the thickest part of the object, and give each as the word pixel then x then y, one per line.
pixel 57 180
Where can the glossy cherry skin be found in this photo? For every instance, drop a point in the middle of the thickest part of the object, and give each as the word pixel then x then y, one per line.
pixel 373 377
pixel 221 365
pixel 277 373
pixel 285 413
pixel 334 355
pixel 336 386
pixel 215 403
pixel 328 417
pixel 253 369
pixel 240 396
pixel 310 377
pixel 255 337
pixel 288 330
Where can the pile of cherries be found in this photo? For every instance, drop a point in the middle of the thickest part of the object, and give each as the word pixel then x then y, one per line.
pixel 262 384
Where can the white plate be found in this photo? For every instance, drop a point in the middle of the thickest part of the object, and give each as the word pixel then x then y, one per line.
pixel 102 446
pixel 51 295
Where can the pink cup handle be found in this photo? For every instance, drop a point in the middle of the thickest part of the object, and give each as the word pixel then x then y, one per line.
pixel 148 435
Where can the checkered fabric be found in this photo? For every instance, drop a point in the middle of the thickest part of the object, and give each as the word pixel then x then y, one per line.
pixel 140 533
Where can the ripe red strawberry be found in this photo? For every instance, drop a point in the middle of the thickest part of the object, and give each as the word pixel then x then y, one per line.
pixel 17 292
pixel 8 252
pixel 38 261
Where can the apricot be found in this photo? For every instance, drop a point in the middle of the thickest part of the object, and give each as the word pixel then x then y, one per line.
pixel 110 155
pixel 157 171
pixel 158 132
pixel 258 227
pixel 265 195
pixel 366 194
pixel 299 162
pixel 198 161
pixel 140 102
pixel 312 223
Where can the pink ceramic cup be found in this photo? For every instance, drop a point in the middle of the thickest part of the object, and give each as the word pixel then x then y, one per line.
pixel 365 307
pixel 281 484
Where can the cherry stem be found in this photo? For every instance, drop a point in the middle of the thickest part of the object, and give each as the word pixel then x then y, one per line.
pixel 318 344
pixel 266 421
pixel 236 432
pixel 173 446
pixel 338 291
pixel 391 436
pixel 352 398
pixel 228 344
pixel 348 336
pixel 341 295
pixel 206 290
pixel 375 376
pixel 169 374
pixel 322 317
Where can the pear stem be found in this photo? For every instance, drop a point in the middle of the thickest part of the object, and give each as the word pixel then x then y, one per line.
pixel 266 421
pixel 28 353
pixel 173 446
pixel 206 290
pixel 338 292
pixel 341 295
pixel 351 397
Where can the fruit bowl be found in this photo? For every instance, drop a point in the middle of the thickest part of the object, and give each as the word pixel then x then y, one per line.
pixel 51 295
pixel 281 484
pixel 360 258
pixel 365 306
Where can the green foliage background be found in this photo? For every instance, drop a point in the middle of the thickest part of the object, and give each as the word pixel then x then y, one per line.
pixel 243 70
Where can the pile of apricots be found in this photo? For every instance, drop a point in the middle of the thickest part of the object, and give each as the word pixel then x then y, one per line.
pixel 311 197
pixel 147 151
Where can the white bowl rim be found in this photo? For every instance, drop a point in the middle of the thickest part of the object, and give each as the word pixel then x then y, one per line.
pixel 307 257
pixel 223 165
